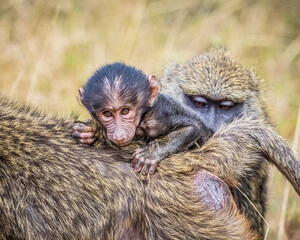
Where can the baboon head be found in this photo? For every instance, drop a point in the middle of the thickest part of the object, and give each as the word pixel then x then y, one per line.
pixel 216 87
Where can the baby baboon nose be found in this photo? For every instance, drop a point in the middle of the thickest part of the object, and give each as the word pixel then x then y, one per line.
pixel 119 136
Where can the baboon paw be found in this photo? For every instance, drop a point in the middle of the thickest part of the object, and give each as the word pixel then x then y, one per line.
pixel 83 134
pixel 142 163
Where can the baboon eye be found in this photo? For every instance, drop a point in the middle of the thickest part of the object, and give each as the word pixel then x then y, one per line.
pixel 125 111
pixel 199 101
pixel 107 114
pixel 225 105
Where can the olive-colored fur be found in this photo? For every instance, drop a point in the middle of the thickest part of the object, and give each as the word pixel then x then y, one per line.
pixel 50 188
pixel 218 76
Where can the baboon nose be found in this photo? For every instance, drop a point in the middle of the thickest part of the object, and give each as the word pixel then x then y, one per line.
pixel 120 142
pixel 119 136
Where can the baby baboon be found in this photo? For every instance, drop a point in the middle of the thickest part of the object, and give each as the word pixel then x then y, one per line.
pixel 128 105
pixel 50 188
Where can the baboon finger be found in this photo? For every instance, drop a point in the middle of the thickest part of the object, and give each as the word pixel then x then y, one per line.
pixel 138 156
pixel 139 165
pixel 146 167
pixel 152 168
pixel 83 135
pixel 79 127
pixel 138 150
pixel 134 161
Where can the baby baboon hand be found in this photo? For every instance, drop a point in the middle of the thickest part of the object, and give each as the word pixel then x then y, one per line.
pixel 144 161
pixel 83 134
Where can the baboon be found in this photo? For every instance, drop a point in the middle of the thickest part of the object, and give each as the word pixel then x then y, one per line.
pixel 128 105
pixel 218 89
pixel 51 188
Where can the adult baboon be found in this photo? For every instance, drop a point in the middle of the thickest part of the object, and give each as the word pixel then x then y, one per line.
pixel 219 89
pixel 50 188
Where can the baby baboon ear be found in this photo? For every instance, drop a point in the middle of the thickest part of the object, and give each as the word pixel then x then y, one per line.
pixel 81 92
pixel 153 89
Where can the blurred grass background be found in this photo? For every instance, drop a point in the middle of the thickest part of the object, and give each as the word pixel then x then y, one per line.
pixel 48 49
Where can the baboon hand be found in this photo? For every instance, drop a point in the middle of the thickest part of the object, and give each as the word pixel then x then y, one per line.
pixel 144 161
pixel 83 134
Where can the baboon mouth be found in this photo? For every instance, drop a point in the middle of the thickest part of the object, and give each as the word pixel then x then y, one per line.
pixel 122 144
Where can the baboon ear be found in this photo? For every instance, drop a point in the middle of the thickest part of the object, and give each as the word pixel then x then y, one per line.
pixel 153 89
pixel 81 92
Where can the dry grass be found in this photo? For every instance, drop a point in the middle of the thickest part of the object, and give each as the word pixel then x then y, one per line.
pixel 49 48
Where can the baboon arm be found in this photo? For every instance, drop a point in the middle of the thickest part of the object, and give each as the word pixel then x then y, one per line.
pixel 238 148
pixel 146 159
pixel 175 141
pixel 243 144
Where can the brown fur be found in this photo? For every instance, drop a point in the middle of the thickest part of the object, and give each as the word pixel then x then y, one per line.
pixel 234 151
pixel 50 188
pixel 217 75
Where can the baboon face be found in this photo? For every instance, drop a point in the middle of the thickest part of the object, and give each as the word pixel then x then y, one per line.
pixel 212 111
pixel 117 95
pixel 214 86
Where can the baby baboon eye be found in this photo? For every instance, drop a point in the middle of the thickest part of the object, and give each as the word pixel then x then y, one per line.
pixel 225 105
pixel 107 114
pixel 199 101
pixel 125 111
